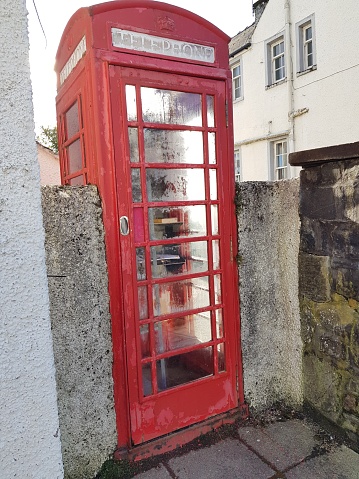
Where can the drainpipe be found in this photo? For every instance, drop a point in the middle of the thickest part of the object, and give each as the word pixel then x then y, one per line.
pixel 290 78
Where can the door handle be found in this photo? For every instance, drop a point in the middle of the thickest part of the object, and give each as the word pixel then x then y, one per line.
pixel 124 228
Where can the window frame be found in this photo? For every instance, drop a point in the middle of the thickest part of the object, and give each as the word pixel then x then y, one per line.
pixel 275 169
pixel 239 65
pixel 270 60
pixel 302 56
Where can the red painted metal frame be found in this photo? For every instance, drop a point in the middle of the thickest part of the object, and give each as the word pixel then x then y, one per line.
pixel 90 78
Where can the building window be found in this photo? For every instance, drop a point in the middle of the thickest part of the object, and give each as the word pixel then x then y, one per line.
pixel 237 165
pixel 237 82
pixel 275 55
pixel 279 160
pixel 306 59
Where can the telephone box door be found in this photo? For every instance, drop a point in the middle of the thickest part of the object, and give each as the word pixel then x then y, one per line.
pixel 178 273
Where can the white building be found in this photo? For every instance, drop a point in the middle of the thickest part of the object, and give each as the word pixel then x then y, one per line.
pixel 295 83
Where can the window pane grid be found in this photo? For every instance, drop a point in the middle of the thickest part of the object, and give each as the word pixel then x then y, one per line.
pixel 278 66
pixel 280 160
pixel 237 82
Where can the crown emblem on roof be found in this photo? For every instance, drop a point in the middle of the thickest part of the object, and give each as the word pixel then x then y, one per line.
pixel 165 23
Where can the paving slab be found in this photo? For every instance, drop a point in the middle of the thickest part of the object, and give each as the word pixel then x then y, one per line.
pixel 159 472
pixel 228 459
pixel 283 444
pixel 341 463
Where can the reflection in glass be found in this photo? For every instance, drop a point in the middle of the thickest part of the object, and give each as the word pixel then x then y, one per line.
pixel 221 357
pixel 219 323
pixel 140 263
pixel 170 146
pixel 72 121
pixel 216 254
pixel 182 332
pixel 214 219
pixel 183 368
pixel 172 107
pixel 176 222
pixel 175 184
pixel 217 289
pixel 213 184
pixel 131 102
pixel 180 296
pixel 133 141
pixel 145 341
pixel 75 156
pixel 212 148
pixel 210 110
pixel 142 302
pixel 77 181
pixel 146 380
pixel 175 259
pixel 136 185
pixel 138 225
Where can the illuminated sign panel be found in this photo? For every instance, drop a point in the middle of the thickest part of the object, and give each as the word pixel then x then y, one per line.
pixel 76 56
pixel 161 46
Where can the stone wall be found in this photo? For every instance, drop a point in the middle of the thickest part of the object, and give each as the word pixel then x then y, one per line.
pixel 329 285
pixel 81 327
pixel 29 426
pixel 268 267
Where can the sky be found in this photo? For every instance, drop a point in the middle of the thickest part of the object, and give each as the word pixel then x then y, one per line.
pixel 231 16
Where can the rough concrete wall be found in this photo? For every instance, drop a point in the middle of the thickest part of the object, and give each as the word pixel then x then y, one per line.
pixel 329 291
pixel 268 222
pixel 79 305
pixel 29 437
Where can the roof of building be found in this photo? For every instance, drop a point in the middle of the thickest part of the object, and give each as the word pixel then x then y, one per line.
pixel 241 40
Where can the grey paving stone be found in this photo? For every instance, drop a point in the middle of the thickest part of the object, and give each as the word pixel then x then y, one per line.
pixel 228 459
pixel 283 444
pixel 155 473
pixel 342 463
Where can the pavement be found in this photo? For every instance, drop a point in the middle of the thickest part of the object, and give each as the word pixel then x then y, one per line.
pixel 294 449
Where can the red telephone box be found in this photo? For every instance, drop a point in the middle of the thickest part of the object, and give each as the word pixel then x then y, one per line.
pixel 144 112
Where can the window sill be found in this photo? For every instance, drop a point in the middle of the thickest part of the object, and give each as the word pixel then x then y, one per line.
pixel 308 70
pixel 279 82
pixel 237 100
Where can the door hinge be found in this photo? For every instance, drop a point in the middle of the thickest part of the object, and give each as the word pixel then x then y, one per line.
pixel 237 381
pixel 226 107
pixel 231 248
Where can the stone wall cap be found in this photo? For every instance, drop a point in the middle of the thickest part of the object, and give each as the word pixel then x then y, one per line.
pixel 317 156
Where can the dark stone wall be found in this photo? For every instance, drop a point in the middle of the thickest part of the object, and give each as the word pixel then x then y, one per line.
pixel 329 291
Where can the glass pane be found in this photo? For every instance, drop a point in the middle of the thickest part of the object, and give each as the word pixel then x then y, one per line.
pixel 213 184
pixel 221 358
pixel 145 341
pixel 180 296
pixel 72 121
pixel 75 156
pixel 176 222
pixel 174 259
pixel 142 302
pixel 77 181
pixel 131 103
pixel 173 107
pixel 136 185
pixel 217 289
pixel 216 254
pixel 146 380
pixel 133 141
pixel 214 219
pixel 219 323
pixel 183 368
pixel 138 225
pixel 210 111
pixel 166 146
pixel 140 263
pixel 212 148
pixel 175 184
pixel 182 332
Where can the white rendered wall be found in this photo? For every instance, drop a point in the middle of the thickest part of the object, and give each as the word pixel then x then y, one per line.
pixel 29 430
pixel 330 93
